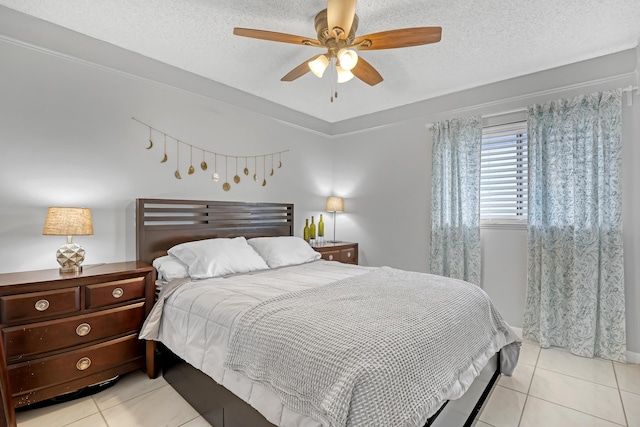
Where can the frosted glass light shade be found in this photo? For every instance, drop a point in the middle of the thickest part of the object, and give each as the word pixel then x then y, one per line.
pixel 318 65
pixel 343 75
pixel 335 204
pixel 348 58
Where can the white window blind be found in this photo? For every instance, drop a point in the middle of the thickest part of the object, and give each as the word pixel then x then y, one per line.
pixel 503 174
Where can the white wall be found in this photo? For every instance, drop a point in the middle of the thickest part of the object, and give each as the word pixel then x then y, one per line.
pixel 68 139
pixel 384 175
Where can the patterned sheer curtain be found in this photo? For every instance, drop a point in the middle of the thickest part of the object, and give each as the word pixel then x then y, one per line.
pixel 575 283
pixel 455 203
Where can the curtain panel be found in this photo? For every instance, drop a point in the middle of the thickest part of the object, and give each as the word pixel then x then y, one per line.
pixel 455 203
pixel 575 280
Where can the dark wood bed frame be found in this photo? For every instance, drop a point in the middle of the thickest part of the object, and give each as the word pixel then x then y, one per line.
pixel 163 223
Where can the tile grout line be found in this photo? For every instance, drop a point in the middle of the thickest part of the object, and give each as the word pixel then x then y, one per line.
pixel 134 397
pixel 101 414
pixel 529 388
pixel 580 412
pixel 187 422
pixel 571 376
pixel 582 379
pixel 624 410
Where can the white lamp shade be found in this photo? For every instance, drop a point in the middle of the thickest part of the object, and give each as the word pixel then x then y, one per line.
pixel 343 75
pixel 318 65
pixel 335 204
pixel 348 58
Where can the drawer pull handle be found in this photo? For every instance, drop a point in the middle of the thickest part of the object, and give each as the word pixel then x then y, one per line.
pixel 83 329
pixel 83 364
pixel 42 305
pixel 349 254
pixel 117 292
pixel 330 257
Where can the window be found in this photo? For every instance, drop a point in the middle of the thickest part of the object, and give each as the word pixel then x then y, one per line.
pixel 503 174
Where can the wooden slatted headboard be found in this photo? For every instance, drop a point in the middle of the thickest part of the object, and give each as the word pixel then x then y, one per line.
pixel 163 223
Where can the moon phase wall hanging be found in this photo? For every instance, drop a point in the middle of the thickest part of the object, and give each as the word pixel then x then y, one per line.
pixel 275 158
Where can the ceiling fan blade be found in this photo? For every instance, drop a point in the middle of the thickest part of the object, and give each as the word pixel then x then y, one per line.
pixel 404 37
pixel 340 14
pixel 365 72
pixel 299 71
pixel 276 37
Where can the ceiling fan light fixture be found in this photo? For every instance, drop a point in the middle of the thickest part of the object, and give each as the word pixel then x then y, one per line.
pixel 343 75
pixel 348 58
pixel 318 65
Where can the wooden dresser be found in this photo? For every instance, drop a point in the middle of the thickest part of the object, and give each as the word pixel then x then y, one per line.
pixel 60 332
pixel 346 252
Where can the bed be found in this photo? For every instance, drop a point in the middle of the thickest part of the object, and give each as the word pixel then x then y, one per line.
pixel 163 224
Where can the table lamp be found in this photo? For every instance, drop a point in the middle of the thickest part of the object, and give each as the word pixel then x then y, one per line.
pixel 334 204
pixel 69 222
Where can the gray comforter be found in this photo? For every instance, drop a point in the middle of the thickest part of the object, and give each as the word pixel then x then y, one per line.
pixel 382 349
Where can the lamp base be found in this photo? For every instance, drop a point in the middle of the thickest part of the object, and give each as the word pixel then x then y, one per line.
pixel 76 269
pixel 334 241
pixel 70 256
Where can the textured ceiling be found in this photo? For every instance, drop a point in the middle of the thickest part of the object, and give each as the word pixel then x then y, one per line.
pixel 482 42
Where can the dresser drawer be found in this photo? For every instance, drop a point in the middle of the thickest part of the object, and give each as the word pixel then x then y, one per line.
pixel 42 337
pixel 331 255
pixel 48 371
pixel 109 293
pixel 349 255
pixel 36 305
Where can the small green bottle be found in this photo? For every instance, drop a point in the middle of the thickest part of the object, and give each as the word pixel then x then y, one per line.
pixel 306 231
pixel 312 231
pixel 320 227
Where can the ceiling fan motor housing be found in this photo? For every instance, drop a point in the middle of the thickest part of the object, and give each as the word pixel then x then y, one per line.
pixel 328 39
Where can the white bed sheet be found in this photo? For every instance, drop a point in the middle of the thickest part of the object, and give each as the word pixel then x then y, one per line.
pixel 198 318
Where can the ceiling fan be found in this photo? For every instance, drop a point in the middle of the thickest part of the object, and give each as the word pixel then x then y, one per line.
pixel 336 29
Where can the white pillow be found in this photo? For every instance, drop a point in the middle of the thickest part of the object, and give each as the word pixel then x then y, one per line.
pixel 283 251
pixel 170 267
pixel 218 257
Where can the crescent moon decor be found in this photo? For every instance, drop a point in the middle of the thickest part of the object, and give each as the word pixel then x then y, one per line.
pixel 215 177
pixel 177 173
pixel 191 168
pixel 255 168
pixel 203 164
pixel 226 186
pixel 236 177
pixel 165 158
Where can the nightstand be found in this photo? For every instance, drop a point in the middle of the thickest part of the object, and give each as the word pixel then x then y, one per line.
pixel 60 332
pixel 346 252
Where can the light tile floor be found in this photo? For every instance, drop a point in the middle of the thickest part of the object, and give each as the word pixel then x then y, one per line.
pixel 134 401
pixel 554 388
pixel 549 388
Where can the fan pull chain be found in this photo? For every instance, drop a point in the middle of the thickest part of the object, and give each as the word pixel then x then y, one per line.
pixel 334 75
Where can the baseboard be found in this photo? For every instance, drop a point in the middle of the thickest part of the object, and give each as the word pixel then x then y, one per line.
pixel 633 357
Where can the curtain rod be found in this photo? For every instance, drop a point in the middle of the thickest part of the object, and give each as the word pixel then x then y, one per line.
pixel 488 116
pixel 617 80
pixel 628 90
